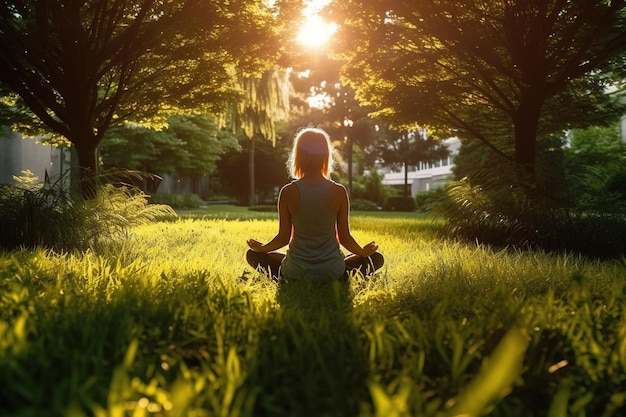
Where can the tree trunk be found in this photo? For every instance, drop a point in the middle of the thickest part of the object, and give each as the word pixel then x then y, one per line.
pixel 406 179
pixel 526 123
pixel 349 165
pixel 87 168
pixel 252 189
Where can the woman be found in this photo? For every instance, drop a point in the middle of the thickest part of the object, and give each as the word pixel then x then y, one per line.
pixel 313 220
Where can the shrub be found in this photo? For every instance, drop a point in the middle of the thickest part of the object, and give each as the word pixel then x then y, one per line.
pixel 400 204
pixel 267 208
pixel 370 187
pixel 617 184
pixel 177 201
pixel 44 214
pixel 509 210
pixel 363 205
pixel 427 200
pixel 498 215
pixel 593 235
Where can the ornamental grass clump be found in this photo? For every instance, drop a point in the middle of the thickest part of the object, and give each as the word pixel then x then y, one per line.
pixel 46 214
pixel 509 209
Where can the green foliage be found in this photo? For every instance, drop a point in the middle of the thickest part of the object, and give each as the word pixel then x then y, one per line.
pixel 409 148
pixel 44 214
pixel 496 209
pixel 576 202
pixel 74 74
pixel 188 145
pixel 616 185
pixel 428 200
pixel 177 201
pixel 475 156
pixel 264 101
pixel 264 208
pixel 269 168
pixel 507 209
pixel 593 169
pixel 360 204
pixel 370 187
pixel 171 322
pixel 488 70
pixel 399 203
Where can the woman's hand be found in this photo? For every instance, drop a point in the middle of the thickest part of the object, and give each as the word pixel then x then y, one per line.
pixel 255 245
pixel 369 249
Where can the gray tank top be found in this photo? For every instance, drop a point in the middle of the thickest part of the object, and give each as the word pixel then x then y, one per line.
pixel 314 251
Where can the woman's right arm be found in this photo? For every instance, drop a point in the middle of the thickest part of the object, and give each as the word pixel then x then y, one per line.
pixel 340 201
pixel 282 238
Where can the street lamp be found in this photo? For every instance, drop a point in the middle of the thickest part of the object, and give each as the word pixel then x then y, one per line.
pixel 347 123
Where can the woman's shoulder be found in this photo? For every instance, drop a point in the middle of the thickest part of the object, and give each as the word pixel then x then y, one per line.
pixel 289 189
pixel 336 187
pixel 338 194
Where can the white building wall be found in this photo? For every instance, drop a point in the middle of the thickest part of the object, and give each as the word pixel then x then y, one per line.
pixel 428 176
pixel 18 154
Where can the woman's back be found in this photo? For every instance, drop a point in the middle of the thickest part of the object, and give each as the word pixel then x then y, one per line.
pixel 313 219
pixel 314 247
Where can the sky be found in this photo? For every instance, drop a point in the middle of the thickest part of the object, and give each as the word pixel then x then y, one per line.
pixel 315 31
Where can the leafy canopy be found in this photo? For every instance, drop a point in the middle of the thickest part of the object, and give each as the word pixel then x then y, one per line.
pixel 82 66
pixel 505 72
pixel 190 145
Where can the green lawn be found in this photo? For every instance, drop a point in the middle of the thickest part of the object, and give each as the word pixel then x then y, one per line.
pixel 172 322
pixel 232 212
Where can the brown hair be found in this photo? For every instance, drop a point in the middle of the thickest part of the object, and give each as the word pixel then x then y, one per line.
pixel 312 151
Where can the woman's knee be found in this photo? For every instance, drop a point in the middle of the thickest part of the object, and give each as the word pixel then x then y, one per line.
pixel 253 258
pixel 366 265
pixel 271 260
pixel 378 260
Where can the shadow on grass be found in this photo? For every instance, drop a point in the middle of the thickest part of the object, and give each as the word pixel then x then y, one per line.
pixel 310 362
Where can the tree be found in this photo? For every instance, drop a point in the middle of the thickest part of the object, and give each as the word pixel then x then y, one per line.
pixel 411 149
pixel 190 145
pixel 602 154
pixel 271 170
pixel 334 107
pixel 81 66
pixel 265 101
pixel 504 72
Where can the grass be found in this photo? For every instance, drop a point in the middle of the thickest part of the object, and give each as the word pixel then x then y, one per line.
pixel 231 212
pixel 171 322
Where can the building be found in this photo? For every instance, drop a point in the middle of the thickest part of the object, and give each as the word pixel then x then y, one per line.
pixel 427 176
pixel 18 154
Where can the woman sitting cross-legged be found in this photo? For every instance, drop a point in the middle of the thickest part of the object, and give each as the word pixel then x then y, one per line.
pixel 313 220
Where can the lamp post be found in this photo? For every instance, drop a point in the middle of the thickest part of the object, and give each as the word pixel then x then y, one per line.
pixel 347 123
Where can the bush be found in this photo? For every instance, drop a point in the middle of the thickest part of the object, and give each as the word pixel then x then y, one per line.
pixel 363 205
pixel 177 201
pixel 265 208
pixel 509 210
pixel 427 200
pixel 371 188
pixel 44 214
pixel 593 235
pixel 400 204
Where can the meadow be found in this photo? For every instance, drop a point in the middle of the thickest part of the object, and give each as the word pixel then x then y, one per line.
pixel 170 321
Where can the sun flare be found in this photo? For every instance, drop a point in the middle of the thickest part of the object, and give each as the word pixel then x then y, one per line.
pixel 315 32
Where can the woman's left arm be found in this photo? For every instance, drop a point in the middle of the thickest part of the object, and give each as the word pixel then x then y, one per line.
pixel 339 198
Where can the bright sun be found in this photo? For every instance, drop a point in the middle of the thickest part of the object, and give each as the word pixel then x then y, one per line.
pixel 315 32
